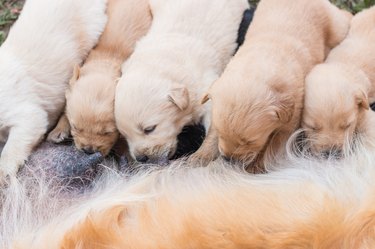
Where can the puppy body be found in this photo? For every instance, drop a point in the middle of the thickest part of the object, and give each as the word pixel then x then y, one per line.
pixel 257 102
pixel 90 98
pixel 307 204
pixel 187 48
pixel 339 91
pixel 36 63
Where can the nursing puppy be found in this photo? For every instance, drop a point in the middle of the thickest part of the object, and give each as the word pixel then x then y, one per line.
pixel 257 102
pixel 36 63
pixel 301 206
pixel 90 97
pixel 339 91
pixel 189 44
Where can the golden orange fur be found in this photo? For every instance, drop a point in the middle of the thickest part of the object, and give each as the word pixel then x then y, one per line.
pixel 257 102
pixel 90 98
pixel 338 92
pixel 307 204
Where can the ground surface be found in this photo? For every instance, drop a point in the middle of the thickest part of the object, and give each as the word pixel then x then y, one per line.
pixel 10 9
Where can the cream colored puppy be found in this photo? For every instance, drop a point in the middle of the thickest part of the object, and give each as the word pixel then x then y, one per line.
pixel 90 97
pixel 339 91
pixel 36 62
pixel 189 44
pixel 257 102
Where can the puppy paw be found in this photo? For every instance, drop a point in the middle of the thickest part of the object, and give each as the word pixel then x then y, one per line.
pixel 58 136
pixel 7 173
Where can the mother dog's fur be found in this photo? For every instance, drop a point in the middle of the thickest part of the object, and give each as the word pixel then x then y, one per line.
pixel 305 204
pixel 189 44
pixel 36 62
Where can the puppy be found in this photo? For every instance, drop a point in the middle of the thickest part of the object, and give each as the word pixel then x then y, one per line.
pixel 257 102
pixel 36 62
pixel 90 97
pixel 189 44
pixel 339 91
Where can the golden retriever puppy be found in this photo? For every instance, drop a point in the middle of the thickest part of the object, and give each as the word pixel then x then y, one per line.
pixel 90 97
pixel 257 102
pixel 301 206
pixel 189 44
pixel 36 63
pixel 339 91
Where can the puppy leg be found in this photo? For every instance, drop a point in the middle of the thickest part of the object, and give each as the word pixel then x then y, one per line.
pixel 209 150
pixel 23 137
pixel 61 132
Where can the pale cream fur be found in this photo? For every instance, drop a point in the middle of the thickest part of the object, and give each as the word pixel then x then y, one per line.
pixel 90 97
pixel 339 91
pixel 188 46
pixel 36 62
pixel 257 102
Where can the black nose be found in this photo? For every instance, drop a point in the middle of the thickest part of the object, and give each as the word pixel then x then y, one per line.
pixel 88 150
pixel 142 158
pixel 227 159
pixel 335 153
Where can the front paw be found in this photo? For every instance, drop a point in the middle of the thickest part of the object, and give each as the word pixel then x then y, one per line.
pixel 8 171
pixel 58 136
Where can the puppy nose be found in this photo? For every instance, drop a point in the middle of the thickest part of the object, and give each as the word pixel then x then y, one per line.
pixel 88 150
pixel 334 153
pixel 226 158
pixel 142 158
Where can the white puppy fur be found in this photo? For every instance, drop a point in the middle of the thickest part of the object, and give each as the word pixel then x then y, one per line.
pixel 36 63
pixel 306 204
pixel 189 44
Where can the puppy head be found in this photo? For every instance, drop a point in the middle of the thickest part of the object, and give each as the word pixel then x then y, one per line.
pixel 246 120
pixel 335 101
pixel 90 110
pixel 150 118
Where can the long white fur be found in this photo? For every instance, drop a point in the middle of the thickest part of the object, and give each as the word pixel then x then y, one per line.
pixel 36 63
pixel 298 190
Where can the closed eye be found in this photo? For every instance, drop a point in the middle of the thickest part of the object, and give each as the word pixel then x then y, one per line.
pixel 345 126
pixel 105 133
pixel 75 129
pixel 149 129
pixel 311 127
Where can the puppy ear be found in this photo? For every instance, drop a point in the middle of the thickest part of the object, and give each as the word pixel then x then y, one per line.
pixel 285 109
pixel 284 104
pixel 76 74
pixel 205 98
pixel 179 96
pixel 362 100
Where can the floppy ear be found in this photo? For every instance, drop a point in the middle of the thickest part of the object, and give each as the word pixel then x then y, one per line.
pixel 284 104
pixel 362 100
pixel 205 98
pixel 179 96
pixel 76 74
pixel 285 108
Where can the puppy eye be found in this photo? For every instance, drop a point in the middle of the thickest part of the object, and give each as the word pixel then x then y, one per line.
pixel 346 126
pixel 311 127
pixel 105 133
pixel 149 130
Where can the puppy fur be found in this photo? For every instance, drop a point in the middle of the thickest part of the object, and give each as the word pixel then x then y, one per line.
pixel 339 91
pixel 306 204
pixel 189 44
pixel 36 62
pixel 257 102
pixel 90 97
